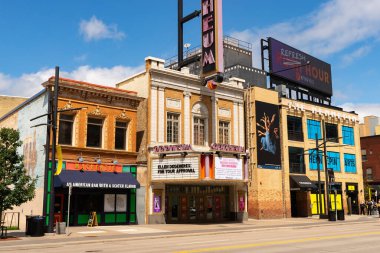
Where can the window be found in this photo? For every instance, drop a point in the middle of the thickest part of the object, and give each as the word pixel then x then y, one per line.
pixel 349 163
pixel 348 135
pixel 199 131
pixel 369 174
pixel 172 127
pixel 313 128
pixel 94 132
pixel 331 132
pixel 224 132
pixel 295 132
pixel 314 160
pixel 65 133
pixel 296 160
pixel 364 155
pixel 121 135
pixel 333 161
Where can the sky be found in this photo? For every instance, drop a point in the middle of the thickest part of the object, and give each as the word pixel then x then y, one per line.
pixel 104 42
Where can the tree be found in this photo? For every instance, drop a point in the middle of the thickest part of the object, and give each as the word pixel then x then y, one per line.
pixel 16 186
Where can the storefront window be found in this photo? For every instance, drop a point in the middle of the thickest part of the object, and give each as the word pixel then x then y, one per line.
pixel 314 160
pixel 313 128
pixel 65 134
pixel 348 135
pixel 172 128
pixel 199 131
pixel 224 132
pixel 121 135
pixel 94 132
pixel 331 132
pixel 349 163
pixel 295 132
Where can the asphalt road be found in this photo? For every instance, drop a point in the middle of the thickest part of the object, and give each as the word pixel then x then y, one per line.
pixel 339 237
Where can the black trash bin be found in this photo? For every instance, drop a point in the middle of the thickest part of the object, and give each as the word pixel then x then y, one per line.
pixel 332 216
pixel 28 229
pixel 340 215
pixel 35 226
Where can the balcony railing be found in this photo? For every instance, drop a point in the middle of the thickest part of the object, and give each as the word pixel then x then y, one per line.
pixel 295 135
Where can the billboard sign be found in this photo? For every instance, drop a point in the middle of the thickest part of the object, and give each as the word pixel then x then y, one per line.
pixel 268 136
pixel 292 64
pixel 212 37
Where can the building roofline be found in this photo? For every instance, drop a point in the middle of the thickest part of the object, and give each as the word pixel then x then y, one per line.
pixel 51 79
pixel 31 99
pixel 370 136
pixel 14 96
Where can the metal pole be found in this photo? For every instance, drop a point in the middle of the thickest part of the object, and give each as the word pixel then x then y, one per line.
pixel 47 153
pixel 180 33
pixel 327 184
pixel 68 209
pixel 319 175
pixel 54 142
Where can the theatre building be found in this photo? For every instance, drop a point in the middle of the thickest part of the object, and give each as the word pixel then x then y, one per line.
pixel 283 180
pixel 96 153
pixel 195 146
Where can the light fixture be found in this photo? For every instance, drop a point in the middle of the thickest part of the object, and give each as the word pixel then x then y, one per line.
pixel 115 161
pixel 98 160
pixel 80 159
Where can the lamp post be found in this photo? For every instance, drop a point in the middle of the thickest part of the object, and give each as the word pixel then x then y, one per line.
pixel 319 176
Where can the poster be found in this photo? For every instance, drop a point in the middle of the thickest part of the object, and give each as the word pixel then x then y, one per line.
pixel 156 203
pixel 121 202
pixel 109 202
pixel 268 136
pixel 228 168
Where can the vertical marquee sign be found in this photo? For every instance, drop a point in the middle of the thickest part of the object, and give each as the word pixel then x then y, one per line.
pixel 212 37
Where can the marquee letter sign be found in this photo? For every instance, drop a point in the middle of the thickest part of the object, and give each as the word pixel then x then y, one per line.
pixel 212 37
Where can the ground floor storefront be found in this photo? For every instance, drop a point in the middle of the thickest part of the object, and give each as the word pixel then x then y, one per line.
pixel 307 201
pixel 188 186
pixel 110 197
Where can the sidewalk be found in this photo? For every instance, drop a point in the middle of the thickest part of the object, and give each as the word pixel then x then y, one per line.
pixel 165 230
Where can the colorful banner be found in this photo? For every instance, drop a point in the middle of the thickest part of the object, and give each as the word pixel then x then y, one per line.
pixel 156 203
pixel 268 136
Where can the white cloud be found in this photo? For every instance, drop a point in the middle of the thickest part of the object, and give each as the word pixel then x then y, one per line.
pixel 95 29
pixel 362 109
pixel 28 84
pixel 358 53
pixel 332 28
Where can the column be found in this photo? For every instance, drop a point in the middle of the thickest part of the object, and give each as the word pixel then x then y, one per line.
pixel 214 118
pixel 153 114
pixel 186 119
pixel 161 114
pixel 241 124
pixel 236 124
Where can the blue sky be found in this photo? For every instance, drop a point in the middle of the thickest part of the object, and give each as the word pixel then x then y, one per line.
pixel 106 41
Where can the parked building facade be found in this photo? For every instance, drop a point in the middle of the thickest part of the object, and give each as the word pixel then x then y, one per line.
pixel 195 146
pixel 283 179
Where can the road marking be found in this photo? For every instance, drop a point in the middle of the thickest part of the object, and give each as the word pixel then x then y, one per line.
pixel 282 242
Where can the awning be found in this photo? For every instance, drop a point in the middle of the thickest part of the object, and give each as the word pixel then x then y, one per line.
pixel 301 182
pixel 92 179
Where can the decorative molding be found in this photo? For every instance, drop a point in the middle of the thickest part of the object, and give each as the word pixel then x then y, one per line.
pixel 224 112
pixel 68 105
pixel 173 103
pixel 123 116
pixel 97 112
pixel 200 109
pixel 187 94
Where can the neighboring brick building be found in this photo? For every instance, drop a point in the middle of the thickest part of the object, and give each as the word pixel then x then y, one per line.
pixel 99 153
pixel 370 146
pixel 283 166
pixel 7 103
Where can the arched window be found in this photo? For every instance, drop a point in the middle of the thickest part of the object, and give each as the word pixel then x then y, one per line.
pixel 200 124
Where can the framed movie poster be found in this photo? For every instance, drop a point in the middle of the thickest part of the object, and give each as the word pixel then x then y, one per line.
pixel 268 136
pixel 109 202
pixel 121 202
